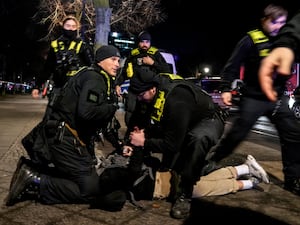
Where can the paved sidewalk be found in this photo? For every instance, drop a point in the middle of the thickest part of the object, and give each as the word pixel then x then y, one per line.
pixel 274 205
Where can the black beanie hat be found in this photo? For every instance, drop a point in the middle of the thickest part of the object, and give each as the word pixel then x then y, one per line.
pixel 106 51
pixel 144 79
pixel 144 35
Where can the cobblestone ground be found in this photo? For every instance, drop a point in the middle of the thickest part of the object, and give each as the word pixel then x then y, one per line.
pixel 269 205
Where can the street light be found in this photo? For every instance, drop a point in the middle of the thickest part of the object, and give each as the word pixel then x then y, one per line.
pixel 206 70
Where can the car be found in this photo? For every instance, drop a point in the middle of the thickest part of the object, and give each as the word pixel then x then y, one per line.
pixel 294 102
pixel 212 85
pixel 170 59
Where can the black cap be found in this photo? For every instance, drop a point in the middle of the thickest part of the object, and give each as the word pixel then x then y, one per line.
pixel 144 35
pixel 144 79
pixel 106 51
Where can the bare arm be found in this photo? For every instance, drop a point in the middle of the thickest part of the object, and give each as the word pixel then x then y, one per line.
pixel 279 60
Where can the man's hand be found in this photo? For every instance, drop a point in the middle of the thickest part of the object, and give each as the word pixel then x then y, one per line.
pixel 137 137
pixel 35 93
pixel 118 90
pixel 148 60
pixel 279 60
pixel 127 150
pixel 227 98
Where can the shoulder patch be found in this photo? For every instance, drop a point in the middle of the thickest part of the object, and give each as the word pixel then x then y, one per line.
pixel 93 97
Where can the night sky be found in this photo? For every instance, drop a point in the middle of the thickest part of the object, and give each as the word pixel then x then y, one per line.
pixel 205 32
pixel 198 32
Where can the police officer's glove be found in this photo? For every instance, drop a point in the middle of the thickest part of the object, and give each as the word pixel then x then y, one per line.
pixel 209 167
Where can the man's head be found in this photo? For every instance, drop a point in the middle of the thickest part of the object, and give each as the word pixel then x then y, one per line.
pixel 274 17
pixel 70 27
pixel 144 40
pixel 108 58
pixel 145 84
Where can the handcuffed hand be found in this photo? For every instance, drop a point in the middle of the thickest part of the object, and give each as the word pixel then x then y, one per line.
pixel 127 150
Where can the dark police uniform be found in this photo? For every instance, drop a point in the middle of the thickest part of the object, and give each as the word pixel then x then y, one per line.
pixel 65 57
pixel 87 103
pixel 289 36
pixel 133 62
pixel 182 124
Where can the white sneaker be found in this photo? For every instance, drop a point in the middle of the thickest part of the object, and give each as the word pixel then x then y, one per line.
pixel 256 170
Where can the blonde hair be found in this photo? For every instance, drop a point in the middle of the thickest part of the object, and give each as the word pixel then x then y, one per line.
pixel 70 17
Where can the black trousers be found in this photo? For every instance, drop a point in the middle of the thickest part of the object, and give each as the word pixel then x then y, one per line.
pixel 130 103
pixel 199 141
pixel 74 178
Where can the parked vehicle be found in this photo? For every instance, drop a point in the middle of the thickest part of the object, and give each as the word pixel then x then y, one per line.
pixel 169 57
pixel 294 102
pixel 212 85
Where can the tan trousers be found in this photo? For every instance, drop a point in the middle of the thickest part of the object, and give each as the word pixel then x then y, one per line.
pixel 218 182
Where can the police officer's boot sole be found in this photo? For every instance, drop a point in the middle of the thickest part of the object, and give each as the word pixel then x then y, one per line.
pixel 21 161
pixel 22 179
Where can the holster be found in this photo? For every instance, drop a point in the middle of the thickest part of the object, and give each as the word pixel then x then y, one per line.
pixel 55 129
pixel 221 114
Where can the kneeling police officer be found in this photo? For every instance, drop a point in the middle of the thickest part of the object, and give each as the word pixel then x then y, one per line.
pixel 86 103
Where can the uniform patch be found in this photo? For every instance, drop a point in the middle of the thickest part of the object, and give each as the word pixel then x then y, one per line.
pixel 93 97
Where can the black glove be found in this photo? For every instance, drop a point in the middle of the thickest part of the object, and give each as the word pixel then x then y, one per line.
pixel 209 167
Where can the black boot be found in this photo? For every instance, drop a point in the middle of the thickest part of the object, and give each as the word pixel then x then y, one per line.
pixel 292 185
pixel 182 206
pixel 24 184
pixel 21 161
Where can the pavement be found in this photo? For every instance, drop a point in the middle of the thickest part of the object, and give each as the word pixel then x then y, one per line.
pixel 270 204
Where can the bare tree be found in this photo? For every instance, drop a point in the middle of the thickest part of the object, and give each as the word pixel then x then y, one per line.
pixel 134 16
pixel 129 16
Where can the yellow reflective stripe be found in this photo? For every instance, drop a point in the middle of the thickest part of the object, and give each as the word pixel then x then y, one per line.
pixel 159 106
pixel 54 45
pixel 61 45
pixel 152 50
pixel 72 45
pixel 258 36
pixel 135 51
pixel 78 47
pixel 107 81
pixel 172 76
pixel 129 70
pixel 71 73
pixel 264 52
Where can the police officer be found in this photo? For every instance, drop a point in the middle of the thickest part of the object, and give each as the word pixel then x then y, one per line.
pixel 144 56
pixel 179 120
pixel 87 102
pixel 284 52
pixel 249 52
pixel 66 55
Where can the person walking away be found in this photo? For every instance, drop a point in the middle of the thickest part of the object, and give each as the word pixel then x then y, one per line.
pixel 254 103
pixel 284 53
